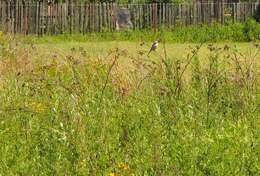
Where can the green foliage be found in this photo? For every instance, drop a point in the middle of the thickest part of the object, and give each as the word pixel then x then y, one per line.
pixel 71 114
pixel 236 32
pixel 252 30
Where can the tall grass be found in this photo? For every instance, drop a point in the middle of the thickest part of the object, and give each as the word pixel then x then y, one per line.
pixel 75 115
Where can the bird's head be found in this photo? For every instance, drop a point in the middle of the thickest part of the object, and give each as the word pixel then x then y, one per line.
pixel 156 41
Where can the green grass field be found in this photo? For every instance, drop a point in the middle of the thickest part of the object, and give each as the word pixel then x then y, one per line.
pixel 134 48
pixel 105 108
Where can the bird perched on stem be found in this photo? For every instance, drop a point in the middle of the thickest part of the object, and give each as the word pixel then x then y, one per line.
pixel 154 46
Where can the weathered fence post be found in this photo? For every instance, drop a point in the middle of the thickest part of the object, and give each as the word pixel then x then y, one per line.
pixel 154 16
pixel 39 17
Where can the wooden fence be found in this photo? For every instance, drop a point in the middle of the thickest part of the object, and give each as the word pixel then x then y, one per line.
pixel 43 18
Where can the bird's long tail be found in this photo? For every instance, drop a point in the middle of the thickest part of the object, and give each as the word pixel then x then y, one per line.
pixel 149 52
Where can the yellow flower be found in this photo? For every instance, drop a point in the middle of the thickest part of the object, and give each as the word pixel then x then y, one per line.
pixel 111 174
pixel 35 106
pixel 123 166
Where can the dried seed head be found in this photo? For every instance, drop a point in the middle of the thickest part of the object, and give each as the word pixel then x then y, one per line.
pixel 226 47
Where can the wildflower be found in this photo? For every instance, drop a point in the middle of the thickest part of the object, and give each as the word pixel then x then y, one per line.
pixel 35 106
pixel 123 166
pixel 226 47
pixel 111 174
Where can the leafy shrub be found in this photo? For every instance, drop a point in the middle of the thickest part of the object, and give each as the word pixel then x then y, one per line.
pixel 230 32
pixel 252 30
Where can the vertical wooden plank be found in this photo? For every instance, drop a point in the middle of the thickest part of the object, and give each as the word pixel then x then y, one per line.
pixel 25 25
pixel 190 14
pixel 114 15
pixel 81 18
pixel 14 5
pixel 159 14
pixel 37 18
pixel 100 17
pixel 111 16
pixel 52 19
pixel 235 12
pixel 170 14
pixel 154 16
pixel 8 16
pixel 140 18
pixel 1 17
pixel 43 18
pixel 211 12
pixel 91 18
pixel 96 17
pixel 222 12
pixel 60 21
pixel 36 14
pixel 26 18
pixel 108 17
pixel 73 16
pixel 38 25
pixel 144 16
pixel 76 15
pixel 55 17
pixel 21 18
pixel 84 17
pixel 64 18
pixel 12 17
pixel 148 16
pixel 17 16
pixel 105 16
pixel 180 13
pixel 164 15
pixel 239 12
pixel 69 17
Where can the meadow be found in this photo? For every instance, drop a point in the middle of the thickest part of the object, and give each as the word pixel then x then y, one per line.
pixel 106 108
